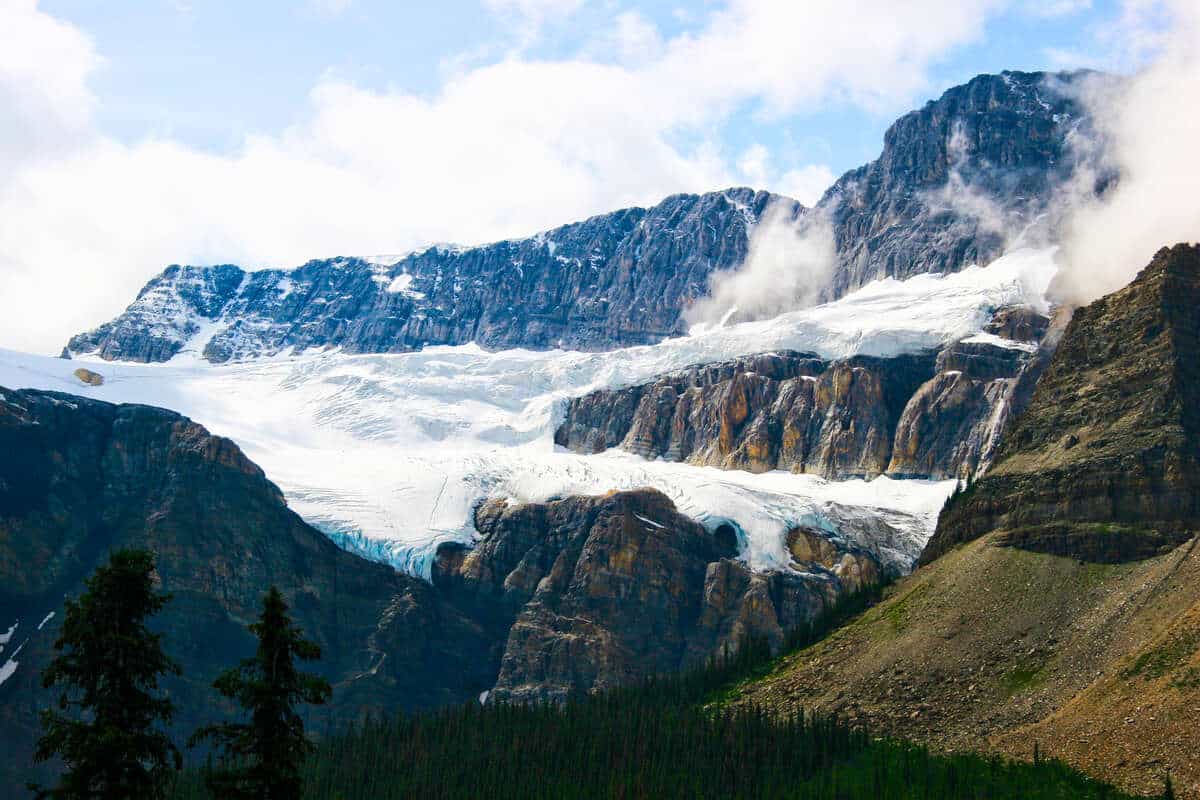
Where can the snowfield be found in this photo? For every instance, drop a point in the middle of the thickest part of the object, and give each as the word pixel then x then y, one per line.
pixel 388 454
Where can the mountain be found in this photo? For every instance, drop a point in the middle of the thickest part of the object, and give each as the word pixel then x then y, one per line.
pixel 929 414
pixel 576 593
pixel 1059 599
pixel 613 280
pixel 1105 457
pixel 81 477
pixel 957 181
pixel 960 180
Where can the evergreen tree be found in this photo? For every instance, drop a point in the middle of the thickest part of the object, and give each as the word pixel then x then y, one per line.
pixel 261 757
pixel 104 725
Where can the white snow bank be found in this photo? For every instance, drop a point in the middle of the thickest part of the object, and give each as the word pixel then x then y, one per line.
pixel 389 453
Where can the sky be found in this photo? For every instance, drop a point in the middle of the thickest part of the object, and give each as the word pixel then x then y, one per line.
pixel 138 134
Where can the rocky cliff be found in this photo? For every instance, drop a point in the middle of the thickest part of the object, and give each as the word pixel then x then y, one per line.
pixel 602 591
pixel 612 280
pixel 1103 462
pixel 932 415
pixel 577 593
pixel 956 182
pixel 959 179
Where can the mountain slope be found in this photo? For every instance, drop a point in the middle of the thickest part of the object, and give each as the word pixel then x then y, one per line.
pixel 958 182
pixel 613 280
pixel 1112 433
pixel 1060 597
pixel 574 594
pixel 80 478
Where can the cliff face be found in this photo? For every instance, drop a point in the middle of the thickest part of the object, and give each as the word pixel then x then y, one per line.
pixel 606 590
pixel 613 280
pixel 1103 462
pixel 927 415
pixel 955 181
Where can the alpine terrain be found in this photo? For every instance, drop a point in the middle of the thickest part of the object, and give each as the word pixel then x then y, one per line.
pixel 528 473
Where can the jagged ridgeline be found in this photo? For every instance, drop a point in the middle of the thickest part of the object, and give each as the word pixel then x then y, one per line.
pixel 627 277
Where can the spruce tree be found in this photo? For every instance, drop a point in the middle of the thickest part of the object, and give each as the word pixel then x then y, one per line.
pixel 105 724
pixel 261 757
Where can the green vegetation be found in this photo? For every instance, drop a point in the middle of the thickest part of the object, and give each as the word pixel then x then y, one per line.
pixel 1021 678
pixel 897 613
pixel 669 737
pixel 106 725
pixel 262 757
pixel 1158 661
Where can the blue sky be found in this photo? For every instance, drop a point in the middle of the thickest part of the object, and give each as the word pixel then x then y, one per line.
pixel 209 73
pixel 138 134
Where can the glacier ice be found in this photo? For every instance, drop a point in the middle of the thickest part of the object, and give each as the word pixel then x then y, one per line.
pixel 389 454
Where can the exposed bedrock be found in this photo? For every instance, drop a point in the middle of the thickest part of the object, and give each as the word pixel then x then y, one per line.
pixel 926 415
pixel 605 590
pixel 1103 464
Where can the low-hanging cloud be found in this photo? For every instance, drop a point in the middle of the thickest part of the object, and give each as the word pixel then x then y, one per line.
pixel 788 265
pixel 1149 129
pixel 501 149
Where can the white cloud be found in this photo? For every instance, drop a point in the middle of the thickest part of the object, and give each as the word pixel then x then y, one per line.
pixel 806 184
pixel 1149 125
pixel 636 39
pixel 539 9
pixel 502 149
pixel 529 16
pixel 788 266
pixel 45 104
pixel 1056 8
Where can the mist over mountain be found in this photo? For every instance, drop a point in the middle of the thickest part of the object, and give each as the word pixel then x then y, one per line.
pixel 959 181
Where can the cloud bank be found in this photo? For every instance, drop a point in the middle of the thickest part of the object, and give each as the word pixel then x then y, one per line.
pixel 1149 126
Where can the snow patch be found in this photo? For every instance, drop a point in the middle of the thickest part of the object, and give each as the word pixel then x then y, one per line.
pixel 999 341
pixel 10 666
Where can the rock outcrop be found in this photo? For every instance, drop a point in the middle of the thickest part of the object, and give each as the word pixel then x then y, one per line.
pixel 1111 436
pixel 956 181
pixel 606 590
pixel 915 416
pixel 959 179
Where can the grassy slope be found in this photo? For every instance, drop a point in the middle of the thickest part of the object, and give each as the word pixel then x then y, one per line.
pixel 995 648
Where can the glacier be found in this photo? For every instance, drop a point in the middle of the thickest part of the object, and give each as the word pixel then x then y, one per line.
pixel 389 454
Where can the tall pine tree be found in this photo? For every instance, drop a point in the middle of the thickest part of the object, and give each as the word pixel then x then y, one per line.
pixel 261 757
pixel 105 725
